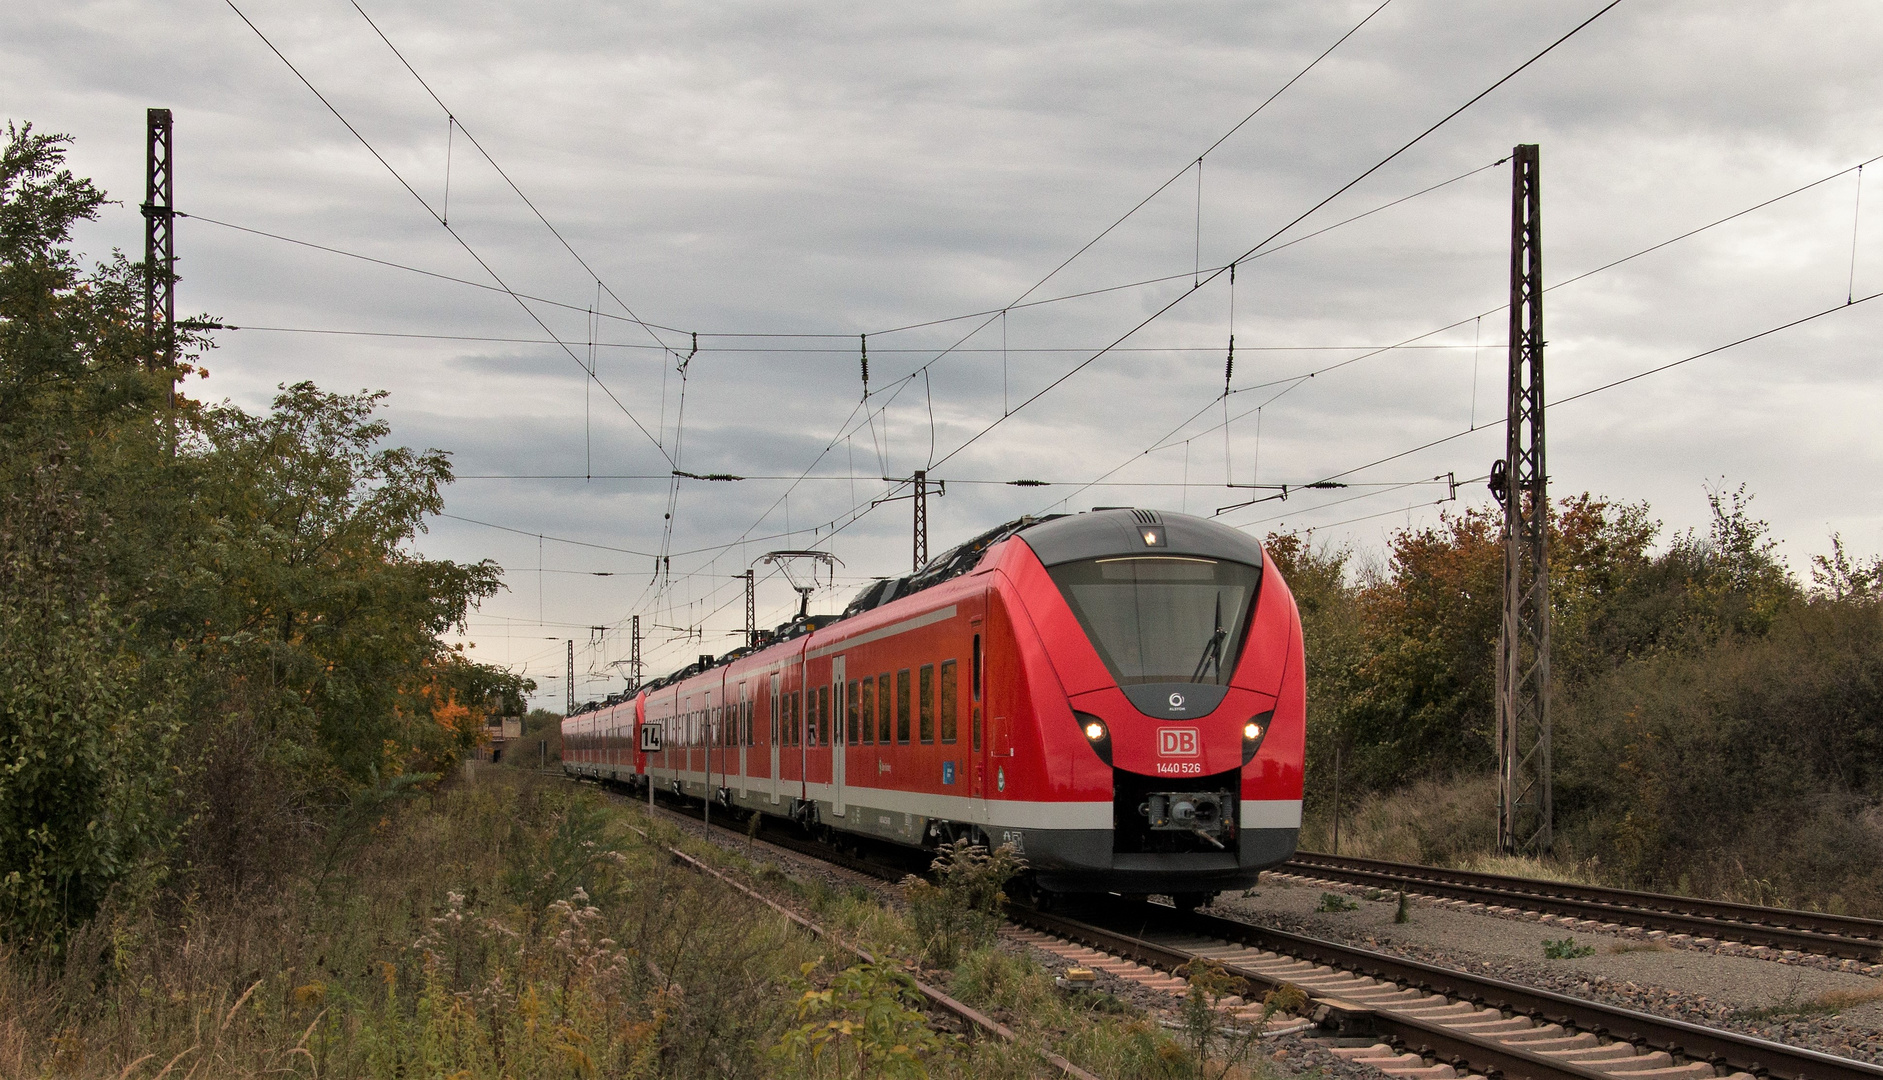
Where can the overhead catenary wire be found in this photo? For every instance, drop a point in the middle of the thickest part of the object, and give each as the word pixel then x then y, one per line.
pixel 396 175
pixel 1311 65
pixel 1600 388
pixel 557 233
pixel 1166 441
pixel 1336 193
pixel 1850 299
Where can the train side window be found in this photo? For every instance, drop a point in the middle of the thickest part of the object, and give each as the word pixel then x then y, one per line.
pixel 823 716
pixel 882 708
pixel 925 703
pixel 866 709
pixel 977 671
pixel 902 707
pixel 751 729
pixel 850 714
pixel 948 727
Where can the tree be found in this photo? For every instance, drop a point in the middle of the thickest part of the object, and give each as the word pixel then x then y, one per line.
pixel 212 627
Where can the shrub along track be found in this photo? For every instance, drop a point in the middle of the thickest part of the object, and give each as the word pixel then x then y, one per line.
pixel 1705 921
pixel 1419 1020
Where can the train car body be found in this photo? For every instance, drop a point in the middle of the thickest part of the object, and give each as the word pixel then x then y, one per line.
pixel 1119 695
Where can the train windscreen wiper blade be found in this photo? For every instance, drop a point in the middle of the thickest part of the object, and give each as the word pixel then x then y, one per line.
pixel 1213 651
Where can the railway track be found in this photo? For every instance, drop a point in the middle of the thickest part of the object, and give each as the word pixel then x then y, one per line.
pixel 1803 931
pixel 1419 1020
pixel 1410 1019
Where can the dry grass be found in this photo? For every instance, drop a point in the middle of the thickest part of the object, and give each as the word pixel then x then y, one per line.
pixel 1528 866
pixel 1622 948
pixel 507 926
pixel 1839 1000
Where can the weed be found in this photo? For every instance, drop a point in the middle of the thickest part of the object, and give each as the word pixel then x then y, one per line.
pixel 1790 1007
pixel 1404 913
pixel 1216 1050
pixel 1098 1001
pixel 1132 1048
pixel 1335 902
pixel 1565 949
pixel 962 908
pixel 868 1015
pixel 989 976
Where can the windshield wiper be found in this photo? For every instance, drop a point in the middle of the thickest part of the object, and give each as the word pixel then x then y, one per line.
pixel 1213 651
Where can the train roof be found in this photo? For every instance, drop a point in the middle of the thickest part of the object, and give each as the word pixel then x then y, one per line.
pixel 1108 531
pixel 1055 538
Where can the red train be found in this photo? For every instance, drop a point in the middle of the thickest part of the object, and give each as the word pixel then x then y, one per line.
pixel 1117 694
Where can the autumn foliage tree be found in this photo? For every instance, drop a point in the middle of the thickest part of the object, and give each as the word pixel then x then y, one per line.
pixel 213 629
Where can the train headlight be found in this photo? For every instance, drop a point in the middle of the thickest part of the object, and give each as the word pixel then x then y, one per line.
pixel 1253 733
pixel 1097 735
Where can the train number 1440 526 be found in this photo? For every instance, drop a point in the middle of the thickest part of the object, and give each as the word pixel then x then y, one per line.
pixel 1180 768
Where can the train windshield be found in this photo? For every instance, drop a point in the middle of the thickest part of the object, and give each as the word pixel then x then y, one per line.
pixel 1158 619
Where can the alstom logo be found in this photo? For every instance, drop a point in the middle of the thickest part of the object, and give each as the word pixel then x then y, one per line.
pixel 1177 742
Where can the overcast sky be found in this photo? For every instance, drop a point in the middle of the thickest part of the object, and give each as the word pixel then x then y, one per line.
pixel 783 178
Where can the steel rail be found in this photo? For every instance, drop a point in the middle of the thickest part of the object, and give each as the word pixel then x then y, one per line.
pixel 1678 1038
pixel 1805 931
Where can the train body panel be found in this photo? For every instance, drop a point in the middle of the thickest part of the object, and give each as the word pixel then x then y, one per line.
pixel 1045 697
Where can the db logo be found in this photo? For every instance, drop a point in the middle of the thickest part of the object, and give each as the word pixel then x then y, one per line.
pixel 1177 742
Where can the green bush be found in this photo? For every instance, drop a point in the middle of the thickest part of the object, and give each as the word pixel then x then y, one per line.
pixel 1565 949
pixel 960 910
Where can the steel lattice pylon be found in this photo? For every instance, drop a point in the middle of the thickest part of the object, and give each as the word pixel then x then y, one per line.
pixel 1524 808
pixel 921 518
pixel 160 256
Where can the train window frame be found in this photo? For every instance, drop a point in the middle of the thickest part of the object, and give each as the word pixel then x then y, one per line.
pixel 885 709
pixel 850 713
pixel 976 689
pixel 902 707
pixel 925 704
pixel 949 704
pixel 866 709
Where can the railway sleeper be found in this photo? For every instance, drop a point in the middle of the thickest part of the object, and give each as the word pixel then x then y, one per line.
pixel 1356 996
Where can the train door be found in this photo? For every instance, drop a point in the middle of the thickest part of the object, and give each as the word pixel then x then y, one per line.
pixel 977 726
pixel 709 735
pixel 803 720
pixel 742 731
pixel 774 729
pixel 837 745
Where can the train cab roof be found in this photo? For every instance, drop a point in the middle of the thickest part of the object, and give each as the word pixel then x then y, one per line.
pixel 1131 531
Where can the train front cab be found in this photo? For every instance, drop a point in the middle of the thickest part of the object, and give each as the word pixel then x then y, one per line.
pixel 1170 762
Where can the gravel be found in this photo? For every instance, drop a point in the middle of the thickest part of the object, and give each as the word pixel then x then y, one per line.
pixel 1767 997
